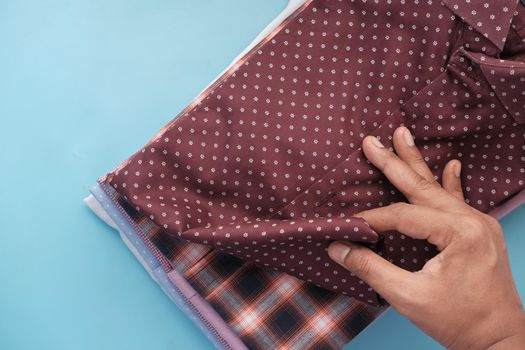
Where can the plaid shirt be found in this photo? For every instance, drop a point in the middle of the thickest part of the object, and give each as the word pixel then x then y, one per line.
pixel 265 308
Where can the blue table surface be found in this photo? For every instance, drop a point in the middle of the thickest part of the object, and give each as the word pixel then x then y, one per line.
pixel 83 84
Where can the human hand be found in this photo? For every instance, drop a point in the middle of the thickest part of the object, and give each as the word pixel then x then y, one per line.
pixel 465 296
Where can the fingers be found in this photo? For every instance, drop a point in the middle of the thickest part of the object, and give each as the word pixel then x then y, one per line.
pixel 415 221
pixel 406 150
pixel 387 279
pixel 452 180
pixel 414 186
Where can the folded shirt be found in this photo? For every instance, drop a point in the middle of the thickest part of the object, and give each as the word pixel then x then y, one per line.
pixel 266 165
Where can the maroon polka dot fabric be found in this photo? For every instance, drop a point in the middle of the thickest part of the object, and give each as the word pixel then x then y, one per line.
pixel 266 164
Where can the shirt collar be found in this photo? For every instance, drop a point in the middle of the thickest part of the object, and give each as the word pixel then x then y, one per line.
pixel 491 18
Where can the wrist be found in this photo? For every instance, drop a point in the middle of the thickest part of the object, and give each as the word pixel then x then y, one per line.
pixel 513 342
pixel 506 330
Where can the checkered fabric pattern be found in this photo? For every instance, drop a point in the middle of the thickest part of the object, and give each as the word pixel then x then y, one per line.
pixel 266 308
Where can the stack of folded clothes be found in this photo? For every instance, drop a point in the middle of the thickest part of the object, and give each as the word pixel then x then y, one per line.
pixel 231 206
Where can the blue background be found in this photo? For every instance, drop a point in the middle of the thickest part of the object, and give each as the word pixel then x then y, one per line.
pixel 83 84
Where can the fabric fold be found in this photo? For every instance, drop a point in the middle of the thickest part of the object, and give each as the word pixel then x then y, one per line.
pixel 297 247
pixel 507 79
pixel 492 19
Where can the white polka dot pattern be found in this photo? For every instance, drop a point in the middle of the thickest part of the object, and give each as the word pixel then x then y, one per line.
pixel 267 165
pixel 490 18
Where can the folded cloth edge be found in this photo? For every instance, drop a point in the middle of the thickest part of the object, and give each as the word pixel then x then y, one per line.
pixel 181 292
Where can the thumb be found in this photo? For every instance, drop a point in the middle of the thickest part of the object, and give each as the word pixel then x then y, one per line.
pixel 391 281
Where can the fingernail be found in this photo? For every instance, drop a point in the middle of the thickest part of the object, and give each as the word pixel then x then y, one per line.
pixel 457 169
pixel 409 140
pixel 377 143
pixel 338 251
